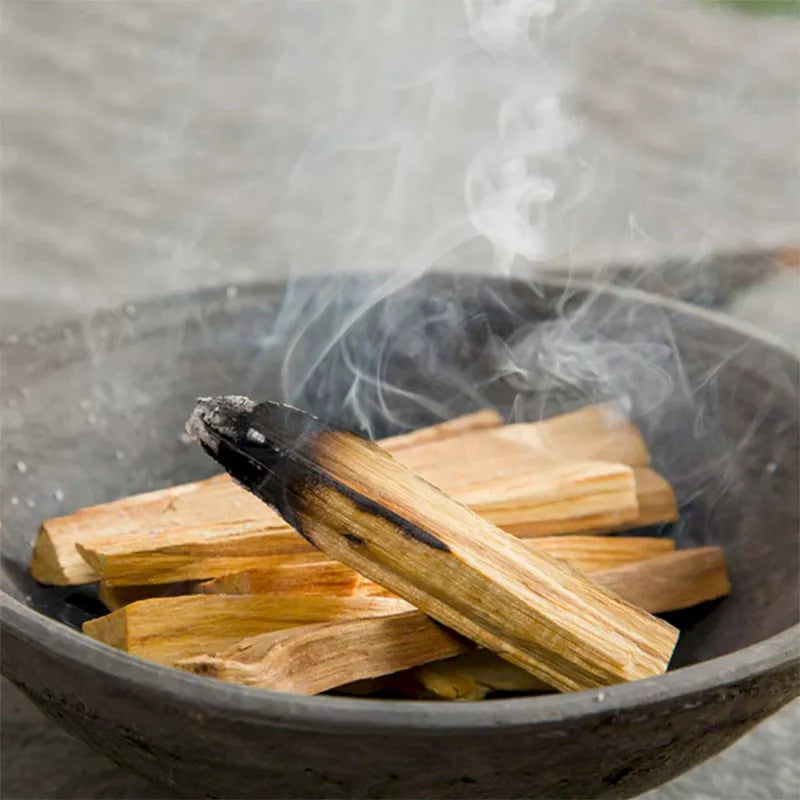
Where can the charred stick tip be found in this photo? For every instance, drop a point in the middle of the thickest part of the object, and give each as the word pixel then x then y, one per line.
pixel 214 417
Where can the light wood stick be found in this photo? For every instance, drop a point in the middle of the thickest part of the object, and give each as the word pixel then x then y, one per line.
pixel 587 553
pixel 567 498
pixel 590 433
pixel 292 662
pixel 165 629
pixel 170 555
pixel 314 658
pixel 325 578
pixel 671 582
pixel 582 494
pixel 355 502
pixel 599 432
pixel 468 423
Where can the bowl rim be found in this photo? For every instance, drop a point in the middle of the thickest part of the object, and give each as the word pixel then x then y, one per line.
pixel 342 714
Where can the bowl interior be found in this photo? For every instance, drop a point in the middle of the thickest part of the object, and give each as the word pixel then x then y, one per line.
pixel 95 410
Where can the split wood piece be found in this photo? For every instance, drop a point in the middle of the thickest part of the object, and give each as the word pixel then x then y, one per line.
pixel 668 583
pixel 167 555
pixel 355 502
pixel 315 658
pixel 587 553
pixel 567 498
pixel 600 432
pixel 656 500
pixel 166 629
pixel 320 657
pixel 583 434
pixel 671 582
pixel 480 420
pixel 172 555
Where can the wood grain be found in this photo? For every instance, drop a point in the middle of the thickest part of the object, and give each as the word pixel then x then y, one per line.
pixel 166 629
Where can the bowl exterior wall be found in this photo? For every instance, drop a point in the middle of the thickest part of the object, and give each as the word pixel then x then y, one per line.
pixel 180 743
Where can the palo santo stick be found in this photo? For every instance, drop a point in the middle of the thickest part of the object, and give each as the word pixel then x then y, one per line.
pixel 590 433
pixel 319 657
pixel 480 420
pixel 582 495
pixel 322 578
pixel 599 432
pixel 213 501
pixel 671 582
pixel 359 505
pixel 171 555
pixel 656 499
pixel 572 497
pixel 314 658
pixel 587 553
pixel 169 628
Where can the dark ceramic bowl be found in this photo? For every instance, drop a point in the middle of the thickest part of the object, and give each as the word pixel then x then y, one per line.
pixel 94 411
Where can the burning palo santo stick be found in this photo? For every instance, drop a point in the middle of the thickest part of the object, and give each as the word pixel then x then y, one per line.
pixel 354 501
pixel 587 553
pixel 165 629
pixel 319 657
pixel 593 432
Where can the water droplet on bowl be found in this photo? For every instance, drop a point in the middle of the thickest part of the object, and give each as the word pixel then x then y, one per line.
pixel 184 438
pixel 119 455
pixel 231 292
pixel 129 309
pixel 58 494
pixel 771 467
pixel 22 467
pixel 15 501
pixel 30 503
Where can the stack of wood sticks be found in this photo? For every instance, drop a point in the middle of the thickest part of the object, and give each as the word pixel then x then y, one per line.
pixel 454 562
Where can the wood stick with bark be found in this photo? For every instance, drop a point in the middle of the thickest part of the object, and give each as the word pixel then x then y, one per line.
pixel 355 502
pixel 595 432
pixel 320 657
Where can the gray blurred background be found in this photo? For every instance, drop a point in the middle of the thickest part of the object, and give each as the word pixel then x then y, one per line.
pixel 153 147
